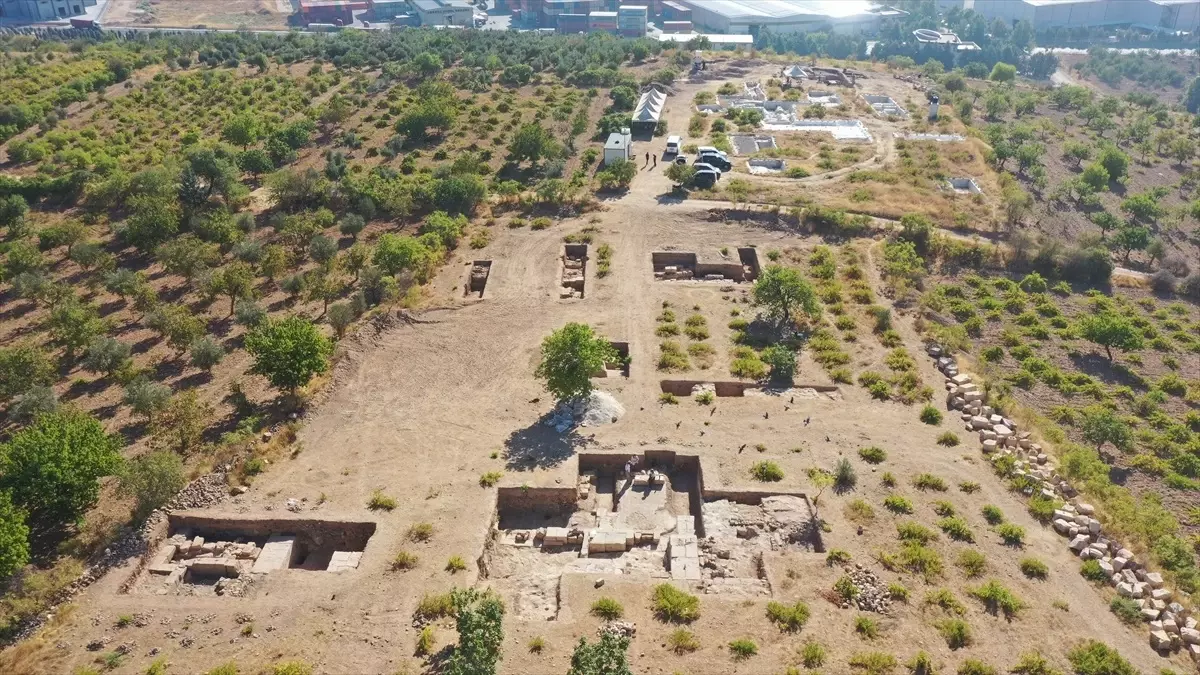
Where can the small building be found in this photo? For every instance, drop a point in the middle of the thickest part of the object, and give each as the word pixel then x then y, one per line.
pixel 673 11
pixel 618 146
pixel 946 42
pixel 443 12
pixel 386 10
pixel 337 12
pixel 43 10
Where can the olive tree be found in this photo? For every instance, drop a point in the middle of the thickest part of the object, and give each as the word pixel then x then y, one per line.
pixel 1109 330
pixel 783 291
pixel 152 480
pixel 14 537
pixel 1101 425
pixel 571 355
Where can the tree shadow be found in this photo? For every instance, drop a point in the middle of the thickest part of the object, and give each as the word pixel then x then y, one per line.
pixel 194 380
pixel 133 431
pixel 80 387
pixel 1098 366
pixel 1119 475
pixel 106 412
pixel 669 198
pixel 16 310
pixel 540 446
pixel 111 307
pixel 144 345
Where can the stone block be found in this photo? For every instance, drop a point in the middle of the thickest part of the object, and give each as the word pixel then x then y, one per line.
pixel 1107 567
pixel 276 554
pixel 1001 430
pixel 1061 526
pixel 989 446
pixel 1190 635
pixel 162 570
pixel 214 567
pixel 165 554
pixel 987 435
pixel 1154 579
pixel 1085 509
pixel 344 560
pixel 1160 594
pixel 980 422
pixel 1193 651
pixel 1150 614
pixel 1160 640
pixel 1125 589
pixel 1119 563
pixel 961 379
pixel 1079 543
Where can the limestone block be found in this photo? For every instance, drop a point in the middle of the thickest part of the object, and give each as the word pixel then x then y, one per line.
pixel 1154 579
pixel 996 419
pixel 987 435
pixel 1079 543
pixel 165 554
pixel 1169 624
pixel 276 554
pixel 1160 594
pixel 1139 590
pixel 1119 563
pixel 1093 526
pixel 989 446
pixel 1190 635
pixel 1159 639
pixel 961 379
pixel 1061 526
pixel 1107 567
pixel 1150 614
pixel 1125 589
pixel 1001 430
pixel 1085 509
pixel 1193 651
pixel 163 570
pixel 215 567
pixel 980 422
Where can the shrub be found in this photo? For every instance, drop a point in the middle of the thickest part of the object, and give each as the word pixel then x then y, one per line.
pixel 897 591
pixel 837 556
pixel 992 514
pixel 898 504
pixel 873 663
pixel 921 664
pixel 943 599
pixel 667 398
pixel 996 598
pixel 846 589
pixel 887 479
pixel 956 632
pixel 536 644
pixel 490 478
pixel 675 606
pixel 1127 610
pixel 993 354
pixel 948 439
pixel 420 532
pixel 788 617
pixel 381 502
pixel 433 607
pixel 975 666
pixel 859 511
pixel 844 476
pixel 1096 658
pixel 911 531
pixel 425 641
pixel 915 558
pixel 404 560
pixel 1042 508
pixel 1091 570
pixel 872 454
pixel 683 641
pixel 1033 663
pixel 943 508
pixel 969 487
pixel 742 648
pixel 767 472
pixel 455 564
pixel 928 481
pixel 931 415
pixel 1012 534
pixel 972 563
pixel 812 655
pixel 866 627
pixel 607 608
pixel 1034 568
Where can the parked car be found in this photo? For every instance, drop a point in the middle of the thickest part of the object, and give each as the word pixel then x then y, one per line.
pixel 702 164
pixel 681 159
pixel 674 143
pixel 705 178
pixel 717 161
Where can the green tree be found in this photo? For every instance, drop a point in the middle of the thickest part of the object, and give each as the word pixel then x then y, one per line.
pixel 398 253
pixel 607 656
pixel 571 355
pixel 152 480
pixel 324 286
pixel 288 352
pixel 187 256
pixel 206 352
pixel 23 366
pixel 255 162
pixel 106 355
pixel 12 211
pixel 1101 425
pixel 68 233
pixel 1003 72
pixel 177 324
pixel 479 617
pixel 22 257
pixel 52 467
pixel 235 281
pixel 782 361
pixel 73 324
pixel 1096 177
pixel 427 64
pixel 448 229
pixel 14 537
pixel 241 130
pixel 783 291
pixel 1142 207
pixel 145 397
pixel 532 142
pixel 618 174
pixel 1109 330
pixel 1114 161
pixel 681 175
pixel 340 315
pixel 1130 238
pixel 180 424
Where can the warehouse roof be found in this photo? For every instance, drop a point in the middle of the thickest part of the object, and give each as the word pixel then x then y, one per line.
pixel 782 9
pixel 716 39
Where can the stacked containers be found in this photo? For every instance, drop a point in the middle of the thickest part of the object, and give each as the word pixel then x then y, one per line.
pixel 606 21
pixel 632 19
pixel 677 26
pixel 572 23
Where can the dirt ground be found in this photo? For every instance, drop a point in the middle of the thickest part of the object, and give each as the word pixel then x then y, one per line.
pixel 262 14
pixel 421 411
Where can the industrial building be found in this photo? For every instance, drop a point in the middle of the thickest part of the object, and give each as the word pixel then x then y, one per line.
pixel 1165 15
pixel 386 10
pixel 337 12
pixel 443 12
pixel 787 16
pixel 43 10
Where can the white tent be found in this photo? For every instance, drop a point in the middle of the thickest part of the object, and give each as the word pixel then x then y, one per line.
pixel 649 107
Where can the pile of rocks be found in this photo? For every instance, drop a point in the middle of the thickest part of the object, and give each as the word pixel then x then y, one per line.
pixel 620 629
pixel 1171 624
pixel 872 591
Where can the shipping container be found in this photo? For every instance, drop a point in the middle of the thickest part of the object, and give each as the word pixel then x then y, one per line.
pixel 677 26
pixel 572 23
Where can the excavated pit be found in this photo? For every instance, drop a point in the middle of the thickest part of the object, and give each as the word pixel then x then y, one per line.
pixel 477 278
pixel 688 266
pixel 573 270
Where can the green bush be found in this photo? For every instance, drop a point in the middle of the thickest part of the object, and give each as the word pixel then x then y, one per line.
pixel 928 481
pixel 766 471
pixel 911 531
pixel 812 655
pixel 931 415
pixel 872 454
pixel 1127 610
pixel 1012 534
pixel 943 599
pixel 898 504
pixel 683 641
pixel 607 608
pixel 675 606
pixel 975 667
pixel 1097 658
pixel 972 563
pixel 866 627
pixel 1034 568
pixel 873 663
pixel 996 598
pixel 948 439
pixel 844 476
pixel 921 664
pixel 788 617
pixel 742 648
pixel 1091 570
pixel 992 514
pixel 956 632
pixel 836 557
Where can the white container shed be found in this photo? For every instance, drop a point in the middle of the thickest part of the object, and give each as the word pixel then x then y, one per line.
pixel 618 146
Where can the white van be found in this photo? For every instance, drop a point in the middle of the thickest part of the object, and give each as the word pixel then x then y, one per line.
pixel 674 143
